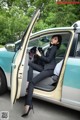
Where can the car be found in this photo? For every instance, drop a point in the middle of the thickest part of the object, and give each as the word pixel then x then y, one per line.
pixel 14 66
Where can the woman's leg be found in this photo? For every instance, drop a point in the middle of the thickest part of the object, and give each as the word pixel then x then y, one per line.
pixel 33 66
pixel 39 77
pixel 28 99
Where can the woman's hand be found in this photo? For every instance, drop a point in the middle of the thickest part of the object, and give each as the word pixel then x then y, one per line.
pixel 38 53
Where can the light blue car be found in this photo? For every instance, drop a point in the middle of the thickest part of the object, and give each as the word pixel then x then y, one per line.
pixel 14 66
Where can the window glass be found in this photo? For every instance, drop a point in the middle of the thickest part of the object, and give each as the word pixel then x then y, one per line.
pixel 62 50
pixel 40 42
pixel 44 42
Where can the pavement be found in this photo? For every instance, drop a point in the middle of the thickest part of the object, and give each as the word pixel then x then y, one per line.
pixel 42 110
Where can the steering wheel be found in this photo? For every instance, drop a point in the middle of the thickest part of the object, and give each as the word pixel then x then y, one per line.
pixel 32 53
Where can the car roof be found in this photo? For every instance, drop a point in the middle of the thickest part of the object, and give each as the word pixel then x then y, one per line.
pixel 51 29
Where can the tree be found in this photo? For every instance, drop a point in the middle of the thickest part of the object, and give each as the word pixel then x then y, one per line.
pixel 16 14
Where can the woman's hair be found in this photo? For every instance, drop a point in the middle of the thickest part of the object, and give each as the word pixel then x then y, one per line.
pixel 59 40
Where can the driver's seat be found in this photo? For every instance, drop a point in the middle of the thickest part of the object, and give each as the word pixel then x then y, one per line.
pixel 50 83
pixel 47 84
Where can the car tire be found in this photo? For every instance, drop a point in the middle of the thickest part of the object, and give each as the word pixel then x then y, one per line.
pixel 3 83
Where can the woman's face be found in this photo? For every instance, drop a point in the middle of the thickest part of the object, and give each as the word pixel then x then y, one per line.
pixel 54 40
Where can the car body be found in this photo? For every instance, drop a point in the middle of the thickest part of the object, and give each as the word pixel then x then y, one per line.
pixel 14 66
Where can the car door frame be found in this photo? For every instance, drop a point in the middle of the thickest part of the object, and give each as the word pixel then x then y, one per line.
pixel 17 67
pixel 50 95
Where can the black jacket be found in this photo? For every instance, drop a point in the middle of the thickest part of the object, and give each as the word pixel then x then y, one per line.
pixel 49 59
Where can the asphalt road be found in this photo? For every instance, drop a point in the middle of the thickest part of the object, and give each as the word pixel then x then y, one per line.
pixel 42 110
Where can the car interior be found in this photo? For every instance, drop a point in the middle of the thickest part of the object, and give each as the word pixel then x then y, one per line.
pixel 42 43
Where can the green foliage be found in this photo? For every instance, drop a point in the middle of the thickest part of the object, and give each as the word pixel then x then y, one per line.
pixel 15 16
pixel 1 46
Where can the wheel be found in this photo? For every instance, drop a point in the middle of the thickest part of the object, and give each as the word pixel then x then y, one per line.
pixel 3 83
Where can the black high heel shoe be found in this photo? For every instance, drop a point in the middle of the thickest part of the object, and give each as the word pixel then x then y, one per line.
pixel 26 114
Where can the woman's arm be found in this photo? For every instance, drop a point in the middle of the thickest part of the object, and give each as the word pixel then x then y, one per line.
pixel 51 55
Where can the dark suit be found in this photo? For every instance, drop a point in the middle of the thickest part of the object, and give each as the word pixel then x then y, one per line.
pixel 45 71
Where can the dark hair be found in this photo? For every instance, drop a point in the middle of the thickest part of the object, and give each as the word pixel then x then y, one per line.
pixel 59 40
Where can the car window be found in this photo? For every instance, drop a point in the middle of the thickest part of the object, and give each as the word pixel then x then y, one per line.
pixel 39 42
pixel 62 50
pixel 44 41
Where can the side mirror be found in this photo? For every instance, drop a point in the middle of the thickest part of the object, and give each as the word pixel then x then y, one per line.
pixel 10 47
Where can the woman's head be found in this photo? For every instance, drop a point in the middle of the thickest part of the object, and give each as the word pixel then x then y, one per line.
pixel 56 40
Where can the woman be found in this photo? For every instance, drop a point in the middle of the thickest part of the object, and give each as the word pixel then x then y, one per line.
pixel 45 70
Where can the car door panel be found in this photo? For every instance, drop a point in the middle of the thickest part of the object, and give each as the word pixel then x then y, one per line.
pixel 24 80
pixel 71 82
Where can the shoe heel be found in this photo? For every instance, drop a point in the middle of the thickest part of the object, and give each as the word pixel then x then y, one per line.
pixel 26 114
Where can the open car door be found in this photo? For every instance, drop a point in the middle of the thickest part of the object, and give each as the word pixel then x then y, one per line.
pixel 17 64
